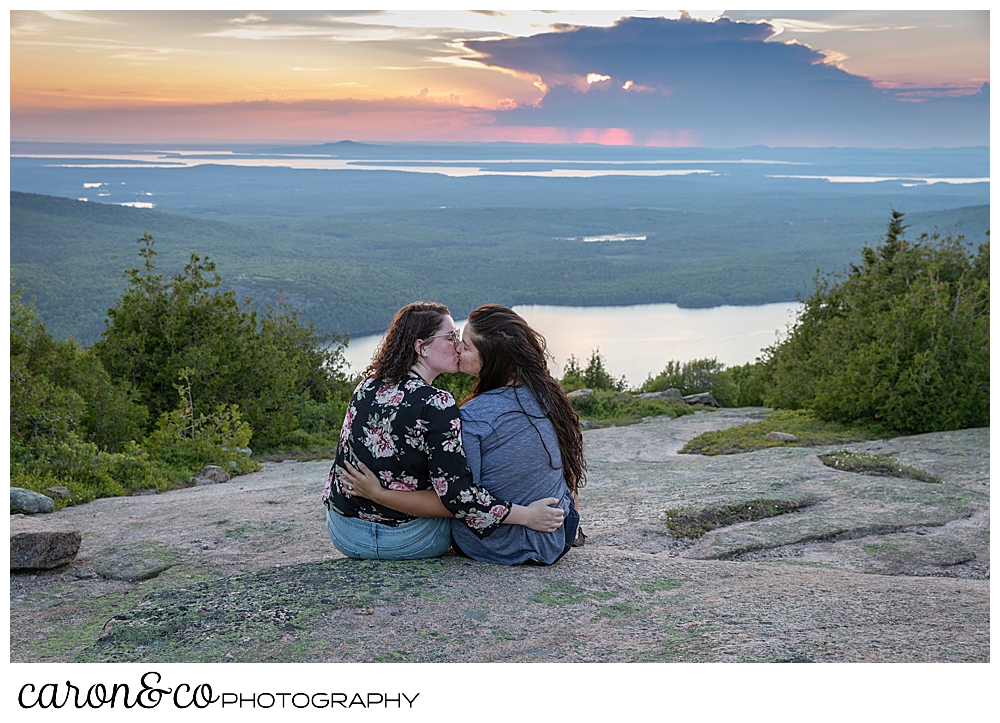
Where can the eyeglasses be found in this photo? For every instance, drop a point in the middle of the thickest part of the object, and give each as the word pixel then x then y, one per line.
pixel 455 336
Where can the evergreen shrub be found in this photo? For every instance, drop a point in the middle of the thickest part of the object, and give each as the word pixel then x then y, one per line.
pixel 902 339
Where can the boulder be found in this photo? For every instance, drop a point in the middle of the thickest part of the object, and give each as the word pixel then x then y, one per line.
pixel 581 394
pixel 216 474
pixel 705 398
pixel 780 437
pixel 22 500
pixel 43 549
pixel 35 546
pixel 669 395
pixel 587 424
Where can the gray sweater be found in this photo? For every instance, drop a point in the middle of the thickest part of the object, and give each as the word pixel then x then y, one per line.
pixel 503 431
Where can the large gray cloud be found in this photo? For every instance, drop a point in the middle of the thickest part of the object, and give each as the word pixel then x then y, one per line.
pixel 724 82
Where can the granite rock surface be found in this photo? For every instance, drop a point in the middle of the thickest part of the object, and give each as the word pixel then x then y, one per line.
pixel 864 569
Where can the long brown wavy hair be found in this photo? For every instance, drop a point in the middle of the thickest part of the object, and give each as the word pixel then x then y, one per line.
pixel 396 354
pixel 512 352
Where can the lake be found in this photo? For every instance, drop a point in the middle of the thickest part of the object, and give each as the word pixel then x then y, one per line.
pixel 640 340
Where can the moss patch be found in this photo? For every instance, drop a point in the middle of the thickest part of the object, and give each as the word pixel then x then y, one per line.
pixel 660 585
pixel 66 640
pixel 810 431
pixel 882 549
pixel 692 523
pixel 561 592
pixel 394 656
pixel 256 617
pixel 621 610
pixel 679 646
pixel 875 465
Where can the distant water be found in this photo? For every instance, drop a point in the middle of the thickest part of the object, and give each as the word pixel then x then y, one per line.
pixel 640 340
pixel 464 167
pixel 911 180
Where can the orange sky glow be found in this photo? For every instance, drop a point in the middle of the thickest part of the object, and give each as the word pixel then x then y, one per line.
pixel 398 75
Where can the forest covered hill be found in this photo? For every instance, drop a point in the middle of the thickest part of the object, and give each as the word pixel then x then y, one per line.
pixel 349 272
pixel 352 231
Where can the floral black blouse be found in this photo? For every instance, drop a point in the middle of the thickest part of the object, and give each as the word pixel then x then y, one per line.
pixel 410 435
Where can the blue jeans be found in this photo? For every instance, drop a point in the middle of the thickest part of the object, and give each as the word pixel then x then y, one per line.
pixel 364 540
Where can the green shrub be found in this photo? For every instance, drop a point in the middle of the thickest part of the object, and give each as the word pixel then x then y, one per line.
pixel 59 391
pixel 459 384
pixel 737 386
pixel 70 424
pixel 692 377
pixel 611 405
pixel 41 412
pixel 187 439
pixel 265 364
pixel 572 378
pixel 89 473
pixel 595 376
pixel 79 418
pixel 741 386
pixel 902 339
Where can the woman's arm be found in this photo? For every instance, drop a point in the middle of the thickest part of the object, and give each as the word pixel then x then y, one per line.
pixel 363 483
pixel 541 515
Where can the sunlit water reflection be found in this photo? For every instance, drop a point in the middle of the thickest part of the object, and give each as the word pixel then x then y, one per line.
pixel 640 340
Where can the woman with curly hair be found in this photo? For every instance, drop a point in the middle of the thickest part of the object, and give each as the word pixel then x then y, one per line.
pixel 410 433
pixel 521 437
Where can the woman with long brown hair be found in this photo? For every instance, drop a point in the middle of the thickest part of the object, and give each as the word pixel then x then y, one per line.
pixel 410 433
pixel 521 437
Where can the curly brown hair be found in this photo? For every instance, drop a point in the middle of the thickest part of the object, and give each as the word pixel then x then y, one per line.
pixel 512 352
pixel 396 354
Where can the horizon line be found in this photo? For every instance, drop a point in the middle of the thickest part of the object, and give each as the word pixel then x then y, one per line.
pixel 589 144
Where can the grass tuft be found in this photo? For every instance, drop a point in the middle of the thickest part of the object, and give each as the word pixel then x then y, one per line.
pixel 876 465
pixel 692 523
pixel 811 432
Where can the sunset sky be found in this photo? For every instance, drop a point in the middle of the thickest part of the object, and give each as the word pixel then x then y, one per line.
pixel 660 78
